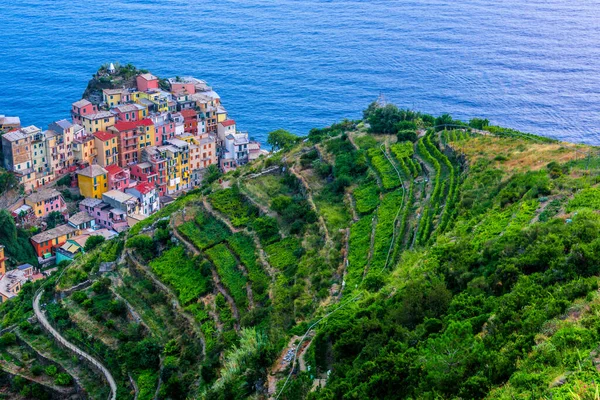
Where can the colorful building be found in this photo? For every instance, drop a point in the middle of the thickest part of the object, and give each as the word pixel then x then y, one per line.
pixel 16 151
pixel 81 108
pixel 105 215
pixel 107 150
pixel 59 139
pixel 99 121
pixel 147 196
pixel 45 201
pixel 46 242
pixel 3 260
pixel 12 281
pixel 130 112
pixel 93 181
pixel 152 170
pixel 146 82
pixel 8 124
pixel 113 97
pixel 118 178
pixel 133 137
pixel 84 149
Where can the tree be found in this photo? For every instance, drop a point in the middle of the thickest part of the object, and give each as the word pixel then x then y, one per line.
pixel 281 139
pixel 93 242
pixel 211 174
pixel 384 119
pixel 16 241
pixel 370 110
pixel 54 218
pixel 407 135
pixel 143 245
pixel 479 123
pixel 63 379
pixel 266 228
pixel 7 181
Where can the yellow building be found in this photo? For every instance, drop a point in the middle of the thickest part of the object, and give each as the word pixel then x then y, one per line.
pixel 84 150
pixel 221 114
pixel 93 181
pixel 106 148
pixel 112 97
pixel 98 122
pixel 147 135
pixel 177 153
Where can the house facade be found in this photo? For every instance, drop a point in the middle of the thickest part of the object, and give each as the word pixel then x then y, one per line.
pixel 45 201
pixel 92 181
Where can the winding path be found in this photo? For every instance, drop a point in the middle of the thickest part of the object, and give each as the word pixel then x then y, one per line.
pixel 46 325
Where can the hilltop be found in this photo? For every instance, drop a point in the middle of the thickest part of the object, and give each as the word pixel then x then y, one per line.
pixel 400 256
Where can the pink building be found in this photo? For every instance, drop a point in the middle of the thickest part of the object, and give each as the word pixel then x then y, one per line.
pixel 118 178
pixel 81 108
pixel 165 128
pixel 152 172
pixel 146 82
pixel 105 215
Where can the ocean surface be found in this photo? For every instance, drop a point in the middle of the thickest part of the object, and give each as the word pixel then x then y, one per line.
pixel 530 65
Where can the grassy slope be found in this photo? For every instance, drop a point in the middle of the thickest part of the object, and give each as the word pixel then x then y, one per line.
pixel 513 292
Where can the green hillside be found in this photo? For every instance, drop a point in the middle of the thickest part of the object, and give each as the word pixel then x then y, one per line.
pixel 402 256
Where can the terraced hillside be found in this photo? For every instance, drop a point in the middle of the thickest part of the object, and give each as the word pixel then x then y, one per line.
pixel 443 261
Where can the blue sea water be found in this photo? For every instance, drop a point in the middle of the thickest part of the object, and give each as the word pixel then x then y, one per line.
pixel 530 65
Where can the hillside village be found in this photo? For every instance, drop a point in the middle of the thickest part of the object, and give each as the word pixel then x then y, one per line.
pixel 132 145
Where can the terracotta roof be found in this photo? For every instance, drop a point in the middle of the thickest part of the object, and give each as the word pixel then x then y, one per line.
pixel 129 125
pixel 104 136
pixel 228 122
pixel 188 113
pixel 113 169
pixel 144 187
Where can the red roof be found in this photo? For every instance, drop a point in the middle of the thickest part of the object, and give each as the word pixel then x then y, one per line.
pixel 129 125
pixel 187 113
pixel 104 136
pixel 228 122
pixel 113 169
pixel 144 187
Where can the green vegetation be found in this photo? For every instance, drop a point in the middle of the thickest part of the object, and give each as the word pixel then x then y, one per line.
pixel 187 276
pixel 386 171
pixel 15 240
pixel 468 270
pixel 204 231
pixel 244 249
pixel 231 203
pixel 281 139
pixel 367 198
pixel 229 272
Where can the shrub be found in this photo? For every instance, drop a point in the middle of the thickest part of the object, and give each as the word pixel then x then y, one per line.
pixel 8 339
pixel 92 242
pixel 79 297
pixel 143 245
pixel 51 370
